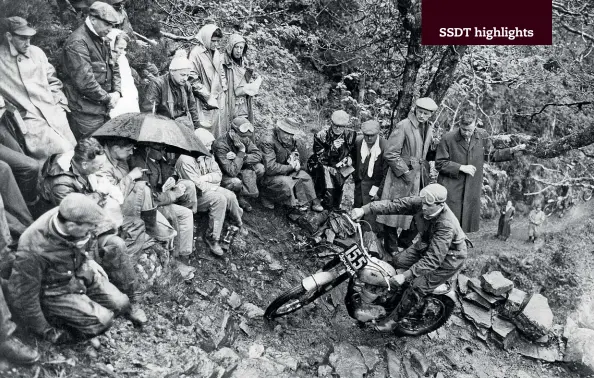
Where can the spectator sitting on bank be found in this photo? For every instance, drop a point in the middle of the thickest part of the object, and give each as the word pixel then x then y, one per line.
pixel 240 161
pixel 284 181
pixel 205 173
pixel 55 282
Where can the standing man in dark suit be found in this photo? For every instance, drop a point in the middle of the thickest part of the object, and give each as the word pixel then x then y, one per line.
pixel 370 166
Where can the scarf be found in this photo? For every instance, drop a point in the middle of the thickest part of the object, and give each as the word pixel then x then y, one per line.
pixel 373 154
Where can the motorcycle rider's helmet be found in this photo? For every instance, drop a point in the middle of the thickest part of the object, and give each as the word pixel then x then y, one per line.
pixel 434 194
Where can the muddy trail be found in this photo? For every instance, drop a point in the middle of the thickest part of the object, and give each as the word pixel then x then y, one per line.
pixel 213 326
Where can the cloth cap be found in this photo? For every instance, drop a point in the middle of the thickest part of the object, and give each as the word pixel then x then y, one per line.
pixel 204 136
pixel 340 118
pixel 288 125
pixel 78 208
pixel 434 194
pixel 180 63
pixel 105 12
pixel 370 127
pixel 427 104
pixel 17 25
pixel 242 124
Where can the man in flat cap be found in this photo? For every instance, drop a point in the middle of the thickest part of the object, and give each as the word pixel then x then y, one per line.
pixel 171 95
pixel 460 157
pixel 93 83
pixel 29 82
pixel 369 164
pixel 284 181
pixel 124 24
pixel 407 152
pixel 436 257
pixel 55 283
pixel 240 161
pixel 331 162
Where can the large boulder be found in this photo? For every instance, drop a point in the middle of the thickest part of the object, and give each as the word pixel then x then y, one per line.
pixel 536 319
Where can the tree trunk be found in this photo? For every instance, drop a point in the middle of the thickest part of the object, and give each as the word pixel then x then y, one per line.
pixel 444 76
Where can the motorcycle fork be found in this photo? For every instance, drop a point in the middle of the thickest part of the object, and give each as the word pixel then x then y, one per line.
pixel 320 279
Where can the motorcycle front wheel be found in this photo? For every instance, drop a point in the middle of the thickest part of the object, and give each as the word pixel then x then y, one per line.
pixel 434 313
pixel 297 297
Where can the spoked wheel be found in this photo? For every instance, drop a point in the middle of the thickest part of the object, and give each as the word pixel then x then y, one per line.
pixel 432 314
pixel 297 297
pixel 549 209
pixel 587 194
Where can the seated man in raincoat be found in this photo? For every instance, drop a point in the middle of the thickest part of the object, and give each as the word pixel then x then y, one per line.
pixel 284 181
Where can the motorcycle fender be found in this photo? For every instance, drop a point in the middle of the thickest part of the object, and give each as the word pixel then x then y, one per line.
pixel 315 280
pixel 446 290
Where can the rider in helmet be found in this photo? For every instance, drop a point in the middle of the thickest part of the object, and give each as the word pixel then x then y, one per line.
pixel 438 254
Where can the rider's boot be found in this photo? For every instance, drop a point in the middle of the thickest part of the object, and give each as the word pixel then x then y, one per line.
pixel 409 299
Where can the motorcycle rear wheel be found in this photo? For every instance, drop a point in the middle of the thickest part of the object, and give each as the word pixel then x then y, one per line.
pixel 410 327
pixel 297 297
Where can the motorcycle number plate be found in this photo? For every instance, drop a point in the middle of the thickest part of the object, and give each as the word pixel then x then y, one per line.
pixel 355 257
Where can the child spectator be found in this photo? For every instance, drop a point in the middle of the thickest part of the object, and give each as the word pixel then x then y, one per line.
pixel 536 217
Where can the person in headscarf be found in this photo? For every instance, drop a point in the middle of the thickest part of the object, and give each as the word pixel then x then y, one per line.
pixel 208 79
pixel 284 181
pixel 370 166
pixel 241 86
pixel 128 103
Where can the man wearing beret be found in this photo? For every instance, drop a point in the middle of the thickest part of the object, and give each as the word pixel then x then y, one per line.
pixel 438 254
pixel 55 282
pixel 171 95
pixel 240 161
pixel 29 82
pixel 284 181
pixel 93 83
pixel 460 157
pixel 369 164
pixel 407 152
pixel 331 163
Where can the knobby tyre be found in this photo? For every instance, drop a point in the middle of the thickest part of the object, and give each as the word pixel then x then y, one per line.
pixel 297 297
pixel 404 328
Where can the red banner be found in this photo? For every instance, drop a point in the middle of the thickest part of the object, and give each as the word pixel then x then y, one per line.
pixel 495 22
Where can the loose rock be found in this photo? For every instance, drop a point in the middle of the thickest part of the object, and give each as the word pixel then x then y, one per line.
pixel 479 316
pixel 580 350
pixel 234 300
pixel 370 356
pixel 514 303
pixel 494 283
pixel 463 283
pixel 503 332
pixel 251 310
pixel 476 299
pixel 225 357
pixel 324 371
pixel 539 352
pixel 256 350
pixel 394 364
pixel 348 361
pixel 536 320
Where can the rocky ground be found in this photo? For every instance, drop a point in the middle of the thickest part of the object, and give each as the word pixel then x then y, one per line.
pixel 213 327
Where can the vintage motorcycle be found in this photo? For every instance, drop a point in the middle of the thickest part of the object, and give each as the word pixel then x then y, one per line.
pixel 371 295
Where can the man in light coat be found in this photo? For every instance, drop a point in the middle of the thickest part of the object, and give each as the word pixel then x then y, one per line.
pixel 29 82
pixel 406 154
pixel 459 160
pixel 205 173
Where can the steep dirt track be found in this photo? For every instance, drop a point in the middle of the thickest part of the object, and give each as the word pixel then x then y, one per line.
pixel 192 324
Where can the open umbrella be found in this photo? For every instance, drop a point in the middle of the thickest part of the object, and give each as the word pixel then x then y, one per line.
pixel 152 128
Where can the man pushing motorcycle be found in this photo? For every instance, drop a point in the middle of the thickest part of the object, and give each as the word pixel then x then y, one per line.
pixel 436 257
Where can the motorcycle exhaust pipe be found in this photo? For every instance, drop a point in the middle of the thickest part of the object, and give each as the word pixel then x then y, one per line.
pixel 314 281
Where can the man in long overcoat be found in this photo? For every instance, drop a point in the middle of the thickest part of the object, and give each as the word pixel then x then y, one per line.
pixel 459 160
pixel 284 181
pixel 406 154
pixel 29 82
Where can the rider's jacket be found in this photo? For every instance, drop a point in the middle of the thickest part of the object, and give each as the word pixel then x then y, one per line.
pixel 441 238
